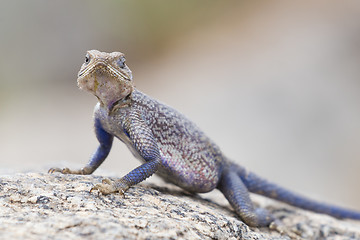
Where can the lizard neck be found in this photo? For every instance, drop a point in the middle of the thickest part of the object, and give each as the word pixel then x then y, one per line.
pixel 124 102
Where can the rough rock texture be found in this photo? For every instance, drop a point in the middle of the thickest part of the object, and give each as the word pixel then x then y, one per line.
pixel 44 206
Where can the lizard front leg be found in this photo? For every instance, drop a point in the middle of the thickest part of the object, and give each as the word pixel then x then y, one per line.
pixel 105 139
pixel 143 141
pixel 137 175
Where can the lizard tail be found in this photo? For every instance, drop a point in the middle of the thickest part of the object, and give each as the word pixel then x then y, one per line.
pixel 261 186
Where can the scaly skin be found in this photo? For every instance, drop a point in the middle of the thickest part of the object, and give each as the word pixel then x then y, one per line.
pixel 170 145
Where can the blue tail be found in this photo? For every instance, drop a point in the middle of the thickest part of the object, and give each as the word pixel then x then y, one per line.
pixel 261 186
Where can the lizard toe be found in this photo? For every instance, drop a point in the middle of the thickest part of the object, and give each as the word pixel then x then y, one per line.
pixel 106 187
pixel 60 170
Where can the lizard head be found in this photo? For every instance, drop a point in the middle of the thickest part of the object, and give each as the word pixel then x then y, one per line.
pixel 106 76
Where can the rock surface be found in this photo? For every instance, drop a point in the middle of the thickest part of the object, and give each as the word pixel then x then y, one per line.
pixel 44 206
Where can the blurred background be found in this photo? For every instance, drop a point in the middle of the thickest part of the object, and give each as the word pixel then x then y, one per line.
pixel 274 83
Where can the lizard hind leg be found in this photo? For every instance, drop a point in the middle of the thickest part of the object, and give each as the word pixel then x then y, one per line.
pixel 238 196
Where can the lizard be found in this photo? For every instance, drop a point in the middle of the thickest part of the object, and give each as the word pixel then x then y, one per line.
pixel 171 145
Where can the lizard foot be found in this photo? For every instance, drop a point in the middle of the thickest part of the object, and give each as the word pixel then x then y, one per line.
pixel 60 170
pixel 82 171
pixel 107 186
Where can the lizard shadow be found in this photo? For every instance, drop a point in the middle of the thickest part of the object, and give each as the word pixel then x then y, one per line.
pixel 175 191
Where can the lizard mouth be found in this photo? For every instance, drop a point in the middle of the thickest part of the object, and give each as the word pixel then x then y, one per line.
pixel 101 65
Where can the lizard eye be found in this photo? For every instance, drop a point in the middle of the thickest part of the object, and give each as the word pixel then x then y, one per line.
pixel 87 58
pixel 121 62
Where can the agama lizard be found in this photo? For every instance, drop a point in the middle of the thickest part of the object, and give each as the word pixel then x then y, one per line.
pixel 170 145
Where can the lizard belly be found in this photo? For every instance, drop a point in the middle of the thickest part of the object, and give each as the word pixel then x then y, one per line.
pixel 195 172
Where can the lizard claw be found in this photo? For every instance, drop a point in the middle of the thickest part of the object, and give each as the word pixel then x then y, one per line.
pixel 107 186
pixel 63 170
pixel 82 171
pixel 106 181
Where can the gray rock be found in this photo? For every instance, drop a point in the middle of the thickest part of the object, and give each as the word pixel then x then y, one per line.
pixel 44 206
